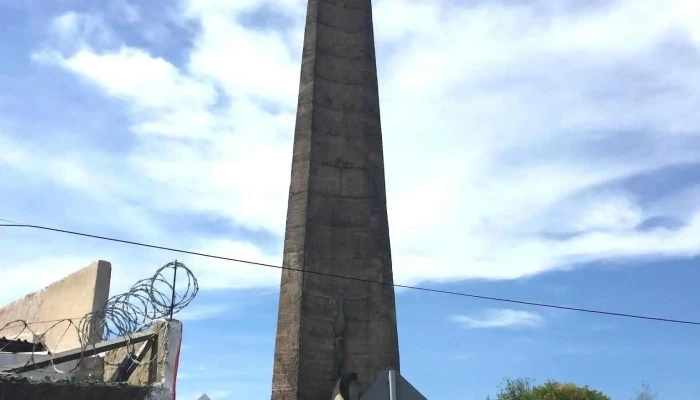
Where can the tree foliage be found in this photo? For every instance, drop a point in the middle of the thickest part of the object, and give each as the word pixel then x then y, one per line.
pixel 522 389
pixel 645 393
pixel 515 389
pixel 566 391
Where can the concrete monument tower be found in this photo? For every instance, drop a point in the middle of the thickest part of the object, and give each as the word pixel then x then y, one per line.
pixel 331 328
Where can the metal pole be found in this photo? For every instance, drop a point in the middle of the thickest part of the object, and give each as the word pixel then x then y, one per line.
pixel 172 299
pixel 392 385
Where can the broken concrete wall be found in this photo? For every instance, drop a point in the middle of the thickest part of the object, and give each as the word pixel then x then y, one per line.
pixel 80 293
pixel 160 359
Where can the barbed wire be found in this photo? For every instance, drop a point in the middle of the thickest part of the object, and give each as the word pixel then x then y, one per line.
pixel 146 303
pixel 147 300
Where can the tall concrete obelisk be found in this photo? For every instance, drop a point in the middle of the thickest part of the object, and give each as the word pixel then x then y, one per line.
pixel 336 217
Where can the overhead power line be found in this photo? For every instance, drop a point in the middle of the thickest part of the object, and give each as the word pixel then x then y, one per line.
pixel 424 289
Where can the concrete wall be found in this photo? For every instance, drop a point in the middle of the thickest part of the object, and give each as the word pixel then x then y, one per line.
pixel 22 390
pixel 336 214
pixel 74 296
pixel 159 365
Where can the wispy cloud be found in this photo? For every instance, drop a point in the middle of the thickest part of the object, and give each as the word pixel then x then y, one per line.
pixel 500 318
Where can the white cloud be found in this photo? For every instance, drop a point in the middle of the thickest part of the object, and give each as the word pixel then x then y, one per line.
pixel 503 123
pixel 66 24
pixel 605 212
pixel 166 102
pixel 74 30
pixel 220 274
pixel 246 63
pixel 12 154
pixel 501 318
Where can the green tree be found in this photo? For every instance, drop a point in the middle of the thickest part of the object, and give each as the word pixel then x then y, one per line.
pixel 522 389
pixel 566 391
pixel 515 389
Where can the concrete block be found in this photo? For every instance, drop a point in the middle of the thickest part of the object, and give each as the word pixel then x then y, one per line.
pixel 350 4
pixel 324 179
pixel 348 72
pixel 345 123
pixel 339 16
pixel 344 97
pixel 82 292
pixel 344 44
pixel 159 366
pixel 357 182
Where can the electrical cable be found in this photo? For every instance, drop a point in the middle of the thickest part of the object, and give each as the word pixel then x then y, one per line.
pixel 424 289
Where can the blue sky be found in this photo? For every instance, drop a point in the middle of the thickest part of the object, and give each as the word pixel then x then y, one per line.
pixel 544 151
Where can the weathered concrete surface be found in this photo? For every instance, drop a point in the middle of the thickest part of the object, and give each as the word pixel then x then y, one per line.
pixel 159 365
pixel 337 217
pixel 74 296
pixel 22 390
